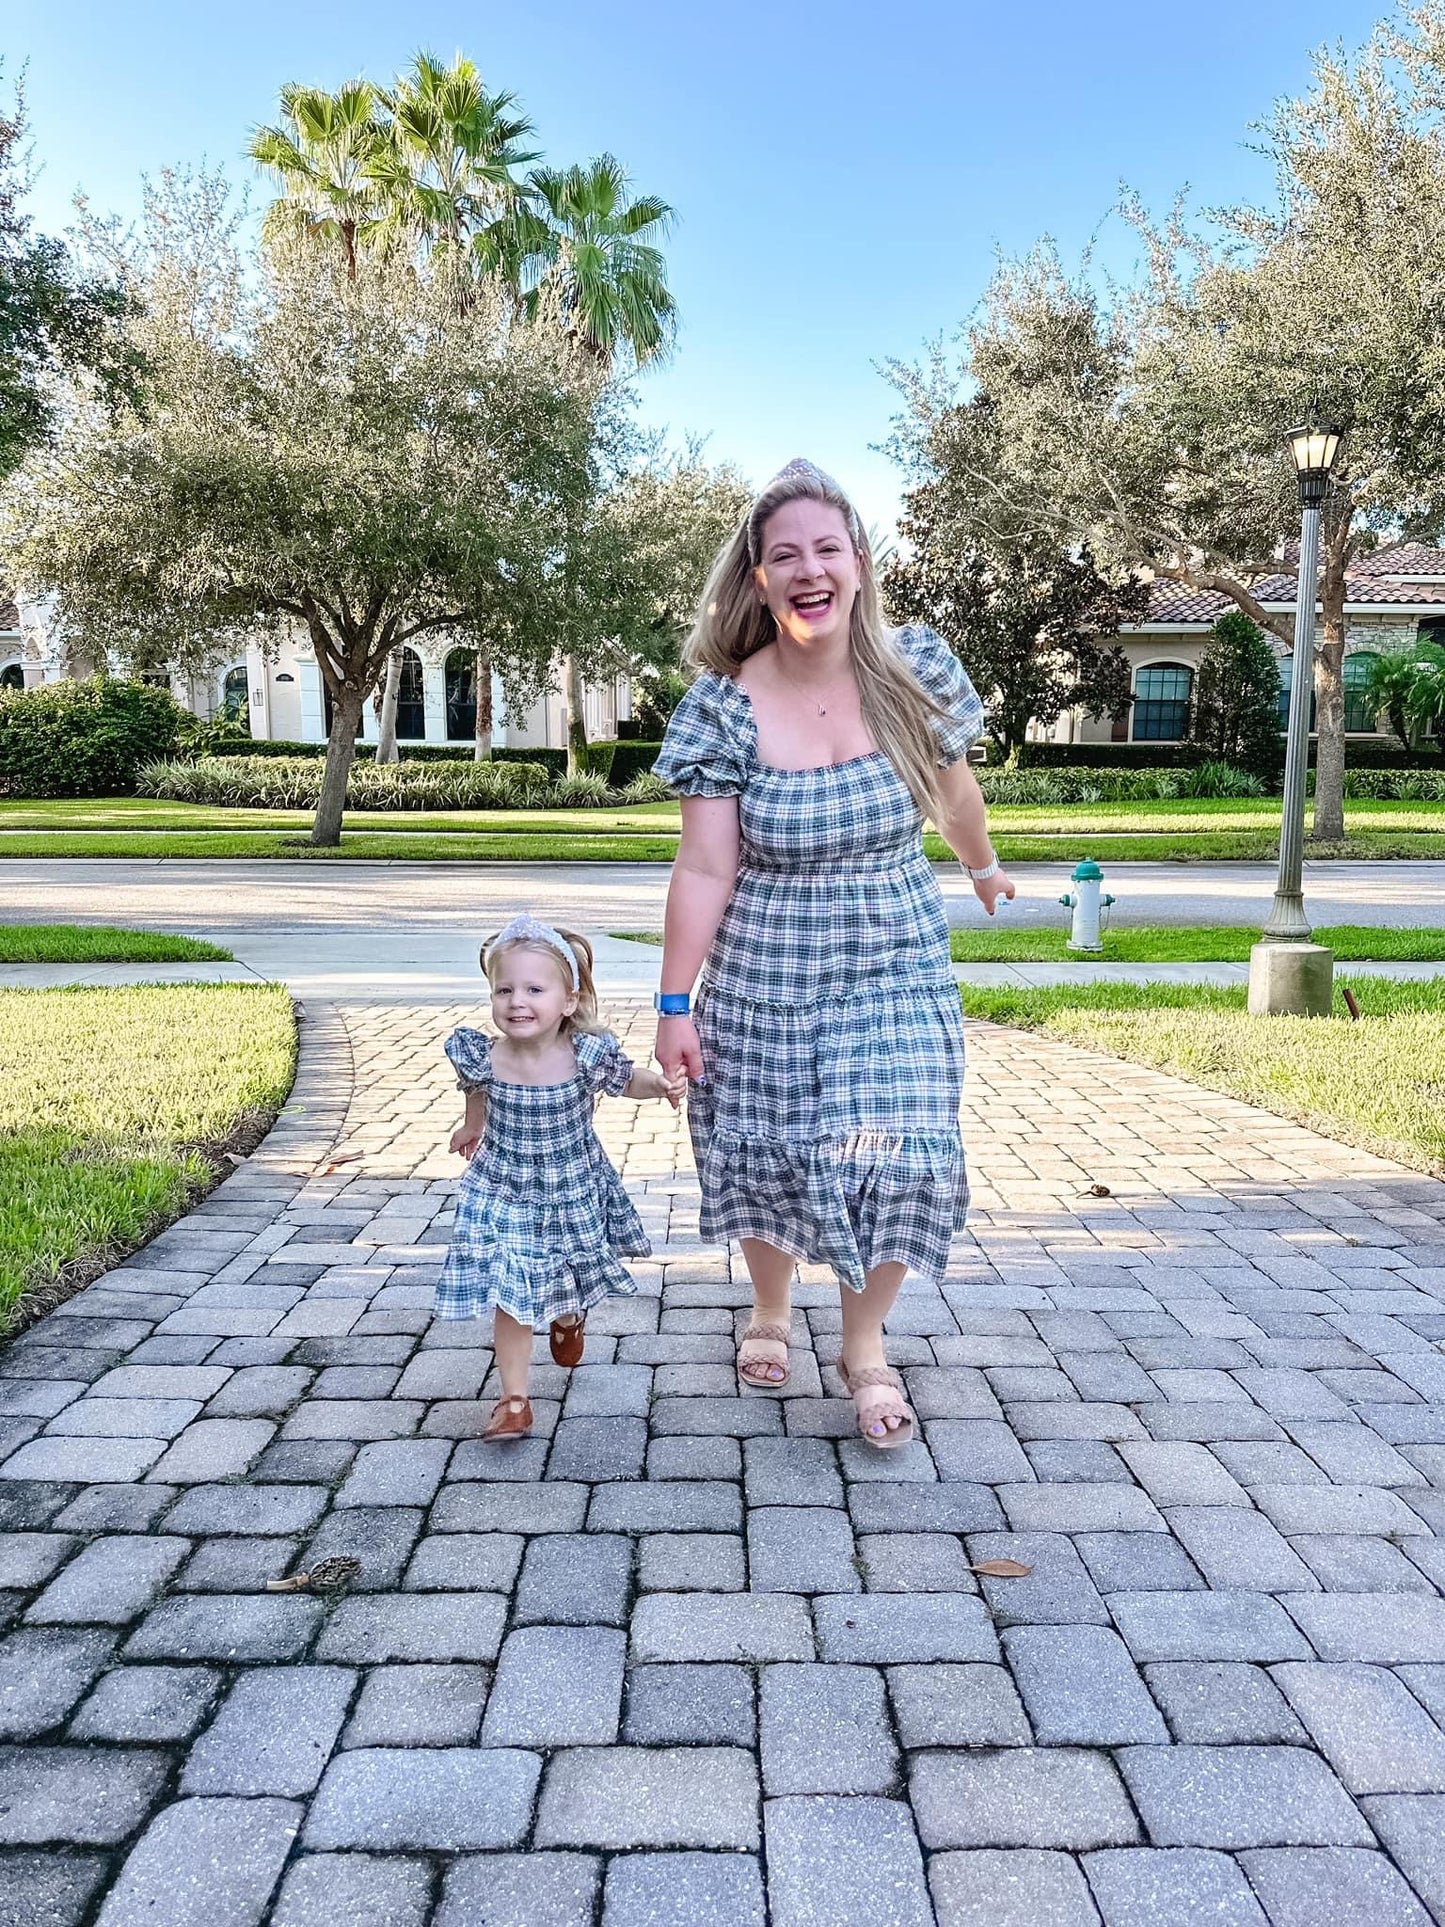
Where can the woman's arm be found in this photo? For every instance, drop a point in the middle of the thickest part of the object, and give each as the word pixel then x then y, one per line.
pixel 703 876
pixel 963 826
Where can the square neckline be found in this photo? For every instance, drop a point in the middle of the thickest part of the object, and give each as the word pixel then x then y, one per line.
pixel 801 769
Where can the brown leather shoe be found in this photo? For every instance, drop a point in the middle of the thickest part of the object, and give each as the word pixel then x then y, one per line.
pixel 511 1419
pixel 567 1339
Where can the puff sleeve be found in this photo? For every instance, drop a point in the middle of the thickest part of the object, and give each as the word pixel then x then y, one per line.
pixel 470 1052
pixel 603 1064
pixel 944 677
pixel 710 742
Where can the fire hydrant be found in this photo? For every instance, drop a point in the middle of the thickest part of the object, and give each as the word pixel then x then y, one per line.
pixel 1086 901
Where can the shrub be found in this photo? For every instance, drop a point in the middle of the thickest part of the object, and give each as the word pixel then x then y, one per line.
pixel 1394 785
pixel 646 788
pixel 1219 779
pixel 1236 697
pixel 224 736
pixel 554 761
pixel 587 792
pixel 83 738
pixel 294 783
pixel 630 759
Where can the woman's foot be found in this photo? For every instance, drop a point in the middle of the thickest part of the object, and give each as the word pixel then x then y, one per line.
pixel 763 1357
pixel 566 1339
pixel 884 1418
pixel 511 1419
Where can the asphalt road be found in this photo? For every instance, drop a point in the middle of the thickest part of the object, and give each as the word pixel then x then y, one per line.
pixel 232 902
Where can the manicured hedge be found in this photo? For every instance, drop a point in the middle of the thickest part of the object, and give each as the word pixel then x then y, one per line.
pixel 294 783
pixel 83 738
pixel 1115 785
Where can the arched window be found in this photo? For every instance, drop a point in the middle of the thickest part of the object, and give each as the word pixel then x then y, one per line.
pixel 461 686
pixel 12 676
pixel 236 694
pixel 1361 715
pixel 410 699
pixel 1161 702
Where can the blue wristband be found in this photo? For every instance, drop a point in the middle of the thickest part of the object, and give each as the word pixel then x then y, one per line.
pixel 672 1003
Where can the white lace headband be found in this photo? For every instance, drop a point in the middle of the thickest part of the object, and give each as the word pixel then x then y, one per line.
pixel 802 470
pixel 529 930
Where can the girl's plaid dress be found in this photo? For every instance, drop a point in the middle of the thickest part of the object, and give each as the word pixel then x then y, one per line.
pixel 541 1214
pixel 827 1010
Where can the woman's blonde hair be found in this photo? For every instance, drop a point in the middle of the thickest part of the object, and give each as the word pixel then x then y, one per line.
pixel 585 1017
pixel 733 624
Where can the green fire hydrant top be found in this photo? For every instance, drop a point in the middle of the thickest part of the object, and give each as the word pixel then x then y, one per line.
pixel 1087 872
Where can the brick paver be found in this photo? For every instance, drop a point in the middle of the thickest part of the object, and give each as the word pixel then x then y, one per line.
pixel 695 1654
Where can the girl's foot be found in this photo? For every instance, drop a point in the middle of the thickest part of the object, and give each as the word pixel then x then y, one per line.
pixel 567 1338
pixel 511 1419
pixel 763 1357
pixel 884 1420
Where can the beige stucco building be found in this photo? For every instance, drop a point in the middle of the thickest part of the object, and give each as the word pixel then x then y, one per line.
pixel 1394 598
pixel 280 690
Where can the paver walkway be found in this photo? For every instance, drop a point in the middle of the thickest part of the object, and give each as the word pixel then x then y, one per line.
pixel 697 1657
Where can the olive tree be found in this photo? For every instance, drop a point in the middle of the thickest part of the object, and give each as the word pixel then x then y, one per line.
pixel 360 457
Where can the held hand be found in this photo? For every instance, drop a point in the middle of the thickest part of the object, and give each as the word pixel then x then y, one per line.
pixel 1000 884
pixel 464 1141
pixel 674 1087
pixel 678 1048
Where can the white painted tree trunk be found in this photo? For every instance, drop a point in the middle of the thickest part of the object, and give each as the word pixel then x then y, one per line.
pixel 482 749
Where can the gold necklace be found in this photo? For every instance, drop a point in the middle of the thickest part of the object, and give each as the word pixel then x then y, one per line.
pixel 822 708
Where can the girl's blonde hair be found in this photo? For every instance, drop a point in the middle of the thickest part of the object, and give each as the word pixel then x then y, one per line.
pixel 584 1018
pixel 733 624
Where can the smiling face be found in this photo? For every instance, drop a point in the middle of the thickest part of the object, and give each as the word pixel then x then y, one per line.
pixel 808 570
pixel 531 992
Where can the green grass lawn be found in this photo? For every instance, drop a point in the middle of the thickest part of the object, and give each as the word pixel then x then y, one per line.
pixel 1206 943
pixel 113 1104
pixel 81 943
pixel 1181 831
pixel 1379 1083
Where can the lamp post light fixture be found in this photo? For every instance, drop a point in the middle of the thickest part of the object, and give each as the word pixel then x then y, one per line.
pixel 1288 973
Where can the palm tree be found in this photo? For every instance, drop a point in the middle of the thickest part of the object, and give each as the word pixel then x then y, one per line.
pixel 449 159
pixel 597 253
pixel 324 154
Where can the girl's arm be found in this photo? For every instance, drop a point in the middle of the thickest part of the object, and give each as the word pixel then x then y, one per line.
pixel 652 1084
pixel 963 825
pixel 703 876
pixel 468 1134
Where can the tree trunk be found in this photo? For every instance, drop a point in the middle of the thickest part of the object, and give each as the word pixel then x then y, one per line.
pixel 482 750
pixel 386 749
pixel 340 754
pixel 577 758
pixel 1330 705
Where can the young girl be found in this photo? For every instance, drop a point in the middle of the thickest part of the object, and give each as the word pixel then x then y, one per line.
pixel 542 1216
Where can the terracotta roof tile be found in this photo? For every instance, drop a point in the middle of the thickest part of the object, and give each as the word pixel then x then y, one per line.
pixel 1381 578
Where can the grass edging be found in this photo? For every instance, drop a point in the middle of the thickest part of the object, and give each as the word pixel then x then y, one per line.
pixel 1378 1084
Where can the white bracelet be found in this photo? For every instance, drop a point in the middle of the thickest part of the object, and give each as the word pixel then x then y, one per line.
pixel 983 875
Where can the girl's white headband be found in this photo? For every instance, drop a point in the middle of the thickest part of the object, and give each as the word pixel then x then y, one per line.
pixel 529 930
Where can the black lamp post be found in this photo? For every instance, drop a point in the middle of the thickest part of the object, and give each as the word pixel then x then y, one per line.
pixel 1314 450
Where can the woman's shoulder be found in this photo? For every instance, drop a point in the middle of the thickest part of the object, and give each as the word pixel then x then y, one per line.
pixel 710 740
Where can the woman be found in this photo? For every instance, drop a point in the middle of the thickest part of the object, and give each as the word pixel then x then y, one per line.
pixel 826 1046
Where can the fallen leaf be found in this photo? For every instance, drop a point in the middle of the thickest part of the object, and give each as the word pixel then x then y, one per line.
pixel 1100 1191
pixel 1002 1569
pixel 328 1575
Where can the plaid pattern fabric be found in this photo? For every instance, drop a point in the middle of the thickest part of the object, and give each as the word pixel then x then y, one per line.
pixel 828 1012
pixel 541 1213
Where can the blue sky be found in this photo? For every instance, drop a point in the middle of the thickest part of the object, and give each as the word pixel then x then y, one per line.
pixel 843 176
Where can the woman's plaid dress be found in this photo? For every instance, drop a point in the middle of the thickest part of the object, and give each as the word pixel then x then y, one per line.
pixel 541 1214
pixel 827 1011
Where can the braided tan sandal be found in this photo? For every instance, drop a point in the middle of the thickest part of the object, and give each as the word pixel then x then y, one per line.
pixel 751 1370
pixel 880 1376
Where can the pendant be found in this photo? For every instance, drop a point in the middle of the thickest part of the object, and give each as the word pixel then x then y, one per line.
pixel 821 710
